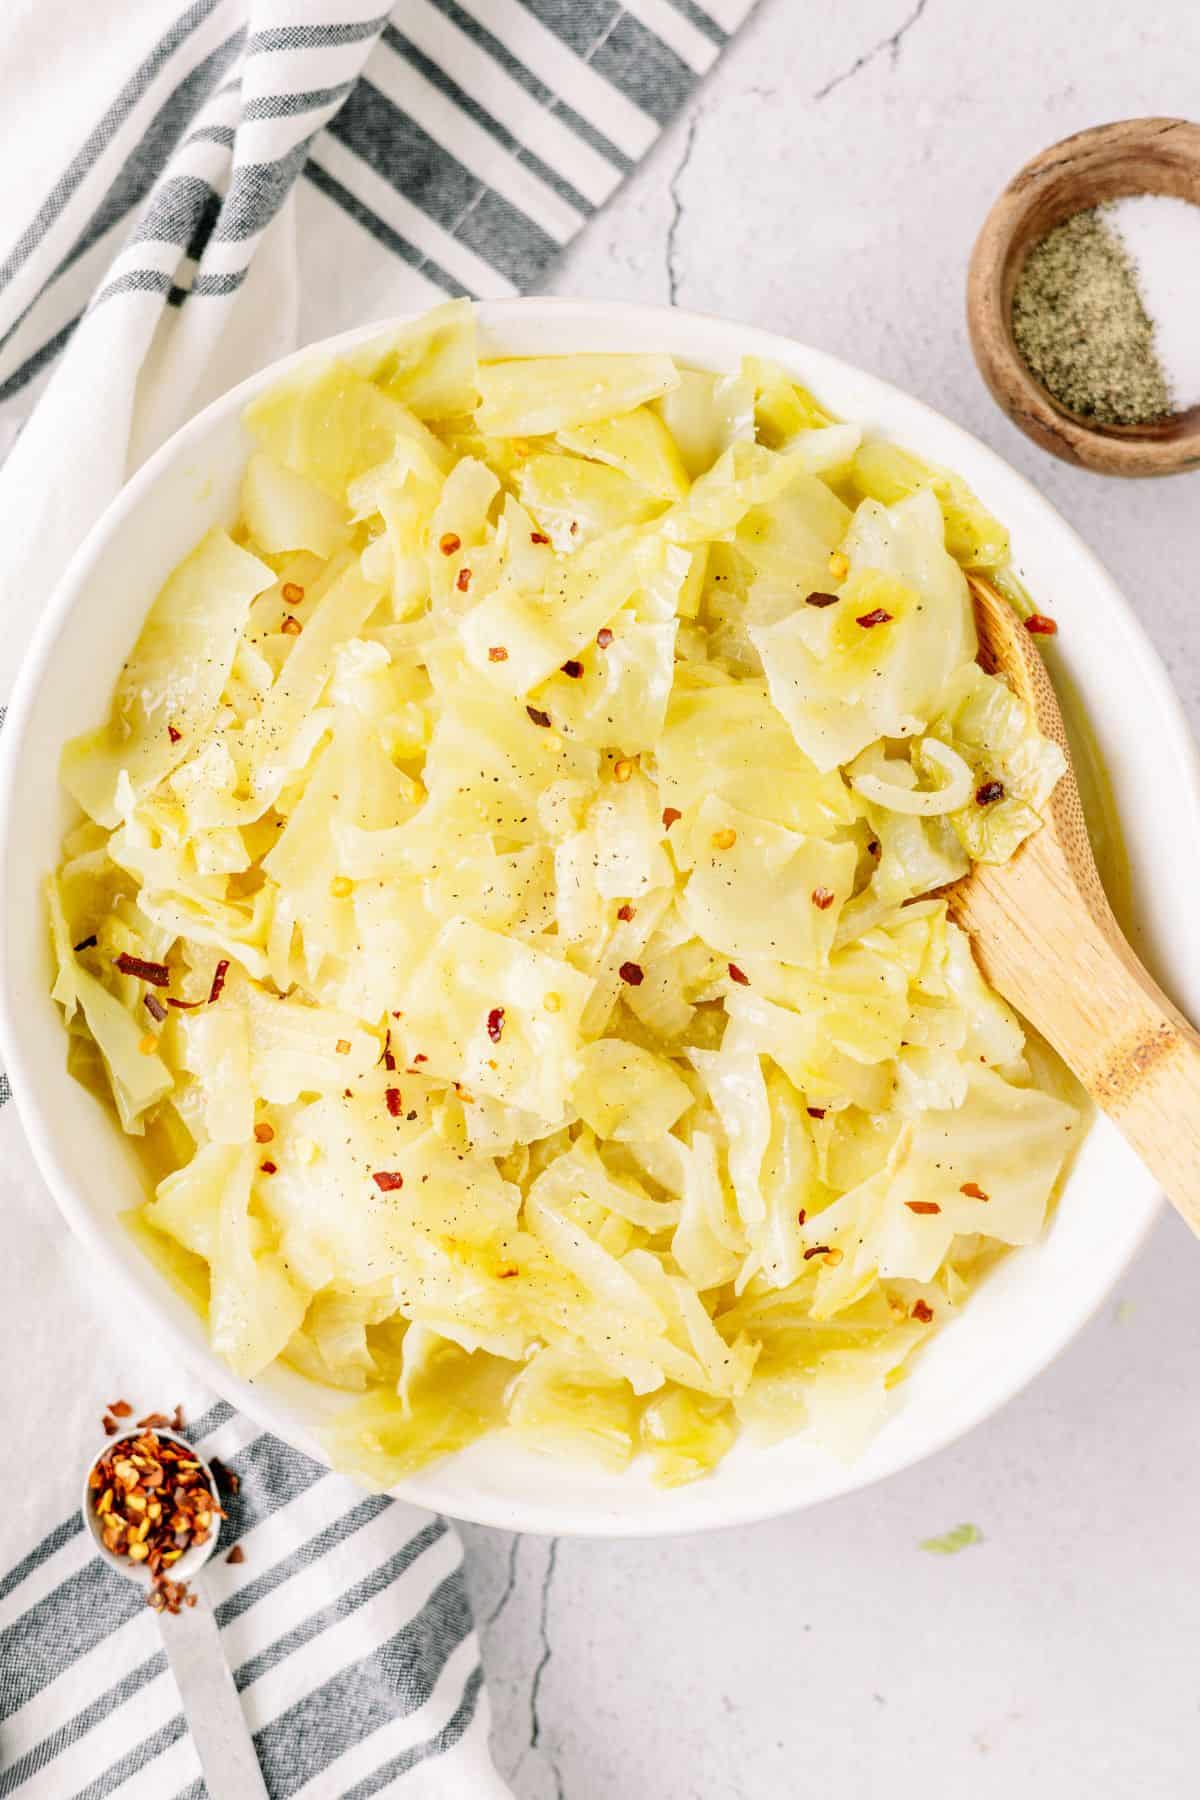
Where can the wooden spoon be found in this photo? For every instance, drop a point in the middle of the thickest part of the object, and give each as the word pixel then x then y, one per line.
pixel 1045 937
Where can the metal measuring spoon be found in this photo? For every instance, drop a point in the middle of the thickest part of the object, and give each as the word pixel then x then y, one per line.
pixel 192 1642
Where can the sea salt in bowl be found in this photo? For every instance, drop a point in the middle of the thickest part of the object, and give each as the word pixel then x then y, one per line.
pixel 1023 1313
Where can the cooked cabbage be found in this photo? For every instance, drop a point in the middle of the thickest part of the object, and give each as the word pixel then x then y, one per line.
pixel 500 909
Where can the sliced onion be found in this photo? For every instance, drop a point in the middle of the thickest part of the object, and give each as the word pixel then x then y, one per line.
pixel 955 793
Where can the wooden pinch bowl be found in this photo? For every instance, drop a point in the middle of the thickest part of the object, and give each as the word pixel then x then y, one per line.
pixel 1107 162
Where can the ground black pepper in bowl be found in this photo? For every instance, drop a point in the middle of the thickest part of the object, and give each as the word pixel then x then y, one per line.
pixel 1080 324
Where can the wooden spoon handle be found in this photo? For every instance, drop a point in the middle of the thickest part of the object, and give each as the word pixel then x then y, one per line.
pixel 1072 974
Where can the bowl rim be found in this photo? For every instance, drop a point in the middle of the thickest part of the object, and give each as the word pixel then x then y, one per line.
pixel 425 1489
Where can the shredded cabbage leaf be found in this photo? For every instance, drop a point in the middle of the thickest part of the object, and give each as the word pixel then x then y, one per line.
pixel 949 1543
pixel 505 909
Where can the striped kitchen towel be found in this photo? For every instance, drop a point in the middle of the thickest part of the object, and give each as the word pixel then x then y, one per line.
pixel 346 1623
pixel 190 192
pixel 197 194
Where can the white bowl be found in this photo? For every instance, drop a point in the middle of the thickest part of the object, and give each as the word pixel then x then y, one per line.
pixel 1022 1316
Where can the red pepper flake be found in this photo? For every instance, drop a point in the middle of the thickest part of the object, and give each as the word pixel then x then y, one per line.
pixel 449 542
pixel 573 668
pixel 816 1250
pixel 669 815
pixel 876 617
pixel 292 592
pixel 291 626
pixel 152 1501
pixel 156 973
pixel 536 717
pixel 387 1180
pixel 495 1024
pixel 822 898
pixel 236 1555
pixel 218 980
pixel 574 527
pixel 875 849
pixel 604 637
pixel 263 1133
pixel 989 791
pixel 269 1168
pixel 420 1057
pixel 820 599
pixel 923 1206
pixel 462 580
pixel 538 537
pixel 1041 626
pixel 388 1060
pixel 738 975
pixel 497 653
pixel 632 973
pixel 973 1191
pixel 816 1112
pixel 625 913
pixel 506 1274
pixel 174 733
pixel 342 1046
pixel 923 1311
pixel 224 1476
pixel 801 1216
pixel 395 1102
pixel 154 1007
pixel 87 943
pixel 183 1005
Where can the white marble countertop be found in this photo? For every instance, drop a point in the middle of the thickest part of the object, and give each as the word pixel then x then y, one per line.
pixel 827 181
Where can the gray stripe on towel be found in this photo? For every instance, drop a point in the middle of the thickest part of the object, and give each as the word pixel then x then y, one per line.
pixel 715 33
pixel 102 136
pixel 44 1753
pixel 479 34
pixel 341 1607
pixel 393 1680
pixel 61 1627
pixel 134 1760
pixel 302 1558
pixel 54 1540
pixel 437 1745
pixel 286 106
pixel 271 1475
pixel 312 37
pixel 428 176
pixel 624 51
pixel 437 77
pixel 133 182
pixel 382 232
